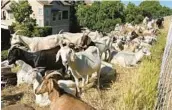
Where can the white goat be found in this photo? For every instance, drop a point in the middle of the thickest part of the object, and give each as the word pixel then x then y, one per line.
pixel 125 59
pixel 145 21
pixel 104 44
pixel 36 43
pixel 81 64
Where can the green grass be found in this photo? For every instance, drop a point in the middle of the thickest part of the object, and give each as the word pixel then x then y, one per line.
pixel 4 54
pixel 141 95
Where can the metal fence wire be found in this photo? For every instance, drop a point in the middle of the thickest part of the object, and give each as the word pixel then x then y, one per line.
pixel 164 97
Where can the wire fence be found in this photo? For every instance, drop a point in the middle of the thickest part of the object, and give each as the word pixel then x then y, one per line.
pixel 164 99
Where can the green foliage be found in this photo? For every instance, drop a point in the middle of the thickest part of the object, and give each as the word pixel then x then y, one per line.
pixel 133 14
pixel 104 15
pixel 154 9
pixel 101 16
pixel 21 10
pixel 24 22
pixel 42 31
pixel 74 25
pixel 4 54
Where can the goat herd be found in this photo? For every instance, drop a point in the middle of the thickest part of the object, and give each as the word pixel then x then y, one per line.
pixel 62 65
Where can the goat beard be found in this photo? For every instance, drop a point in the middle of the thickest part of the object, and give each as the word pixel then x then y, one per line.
pixel 66 67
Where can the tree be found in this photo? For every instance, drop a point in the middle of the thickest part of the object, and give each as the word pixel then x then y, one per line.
pixel 24 22
pixel 151 8
pixel 101 16
pixel 21 10
pixel 74 25
pixel 133 13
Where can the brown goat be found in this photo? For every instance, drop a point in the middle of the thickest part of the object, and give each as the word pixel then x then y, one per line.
pixel 60 100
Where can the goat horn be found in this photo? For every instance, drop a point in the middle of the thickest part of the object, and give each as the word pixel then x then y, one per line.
pixel 88 33
pixel 17 31
pixel 51 74
pixel 60 31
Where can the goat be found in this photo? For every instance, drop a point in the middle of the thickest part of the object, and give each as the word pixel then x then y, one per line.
pixel 36 43
pixel 131 46
pixel 125 59
pixel 81 64
pixel 36 78
pixel 43 58
pixel 59 99
pixel 159 22
pixel 145 21
pixel 18 107
pixel 150 24
pixel 104 44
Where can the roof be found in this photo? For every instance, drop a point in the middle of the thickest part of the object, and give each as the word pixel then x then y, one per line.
pixel 49 2
pixel 5 3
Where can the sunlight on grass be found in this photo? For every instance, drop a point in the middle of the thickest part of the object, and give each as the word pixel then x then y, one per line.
pixel 142 93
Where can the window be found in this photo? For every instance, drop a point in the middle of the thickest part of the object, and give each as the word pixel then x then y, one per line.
pixel 65 14
pixel 54 16
pixel 59 15
pixel 40 11
pixel 47 12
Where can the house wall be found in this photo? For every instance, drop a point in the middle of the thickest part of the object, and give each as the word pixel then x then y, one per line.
pixel 38 12
pixel 58 25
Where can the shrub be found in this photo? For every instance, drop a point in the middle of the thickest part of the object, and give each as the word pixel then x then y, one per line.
pixel 4 54
pixel 42 31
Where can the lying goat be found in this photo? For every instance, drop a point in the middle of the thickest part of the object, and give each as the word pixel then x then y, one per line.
pixel 129 58
pixel 60 100
pixel 44 58
pixel 81 64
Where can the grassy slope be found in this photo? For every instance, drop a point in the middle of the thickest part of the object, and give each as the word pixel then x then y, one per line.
pixel 141 95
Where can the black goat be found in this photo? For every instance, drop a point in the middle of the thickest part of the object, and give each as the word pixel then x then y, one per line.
pixel 43 58
pixel 86 42
pixel 159 22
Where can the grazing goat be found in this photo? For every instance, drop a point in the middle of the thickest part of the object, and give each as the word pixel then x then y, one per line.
pixel 43 58
pixel 81 64
pixel 125 59
pixel 36 43
pixel 60 100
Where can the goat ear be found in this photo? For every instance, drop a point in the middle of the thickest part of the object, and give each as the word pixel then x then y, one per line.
pixel 58 56
pixel 50 85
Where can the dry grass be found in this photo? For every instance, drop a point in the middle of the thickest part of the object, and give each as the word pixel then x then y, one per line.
pixel 131 88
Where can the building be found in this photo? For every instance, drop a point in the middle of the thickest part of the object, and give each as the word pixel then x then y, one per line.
pixel 47 13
